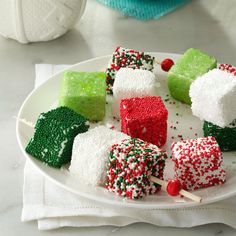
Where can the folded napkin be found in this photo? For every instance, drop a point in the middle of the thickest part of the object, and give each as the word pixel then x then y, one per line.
pixel 54 207
pixel 144 9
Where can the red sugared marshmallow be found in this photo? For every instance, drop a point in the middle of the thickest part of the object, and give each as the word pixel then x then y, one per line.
pixel 145 118
pixel 173 187
pixel 198 163
pixel 167 64
pixel 229 68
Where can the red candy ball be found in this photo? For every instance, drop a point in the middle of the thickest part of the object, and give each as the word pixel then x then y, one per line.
pixel 173 187
pixel 167 64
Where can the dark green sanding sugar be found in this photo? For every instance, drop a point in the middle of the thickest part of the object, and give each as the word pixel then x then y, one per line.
pixel 54 134
pixel 226 137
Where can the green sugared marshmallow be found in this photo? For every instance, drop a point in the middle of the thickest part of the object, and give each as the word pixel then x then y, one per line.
pixel 192 64
pixel 225 137
pixel 54 134
pixel 85 93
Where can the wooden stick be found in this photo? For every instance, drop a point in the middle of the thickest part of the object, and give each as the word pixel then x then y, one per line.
pixel 182 191
pixel 24 121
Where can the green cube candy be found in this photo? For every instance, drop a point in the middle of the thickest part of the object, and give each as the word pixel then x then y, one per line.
pixel 54 134
pixel 192 64
pixel 226 137
pixel 85 93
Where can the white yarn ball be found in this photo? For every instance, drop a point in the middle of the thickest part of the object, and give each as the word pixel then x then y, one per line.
pixel 38 20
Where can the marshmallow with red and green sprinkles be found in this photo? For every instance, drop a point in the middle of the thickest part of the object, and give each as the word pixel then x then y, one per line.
pixel 228 68
pixel 198 163
pixel 129 58
pixel 130 165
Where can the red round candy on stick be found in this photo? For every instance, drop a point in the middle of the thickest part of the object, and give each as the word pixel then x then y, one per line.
pixel 167 64
pixel 173 187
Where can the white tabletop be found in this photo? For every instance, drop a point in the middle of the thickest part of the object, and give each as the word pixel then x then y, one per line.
pixel 205 24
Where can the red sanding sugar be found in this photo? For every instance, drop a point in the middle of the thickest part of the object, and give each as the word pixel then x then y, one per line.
pixel 145 118
pixel 198 163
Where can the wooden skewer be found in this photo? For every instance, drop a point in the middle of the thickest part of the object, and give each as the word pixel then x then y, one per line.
pixel 24 121
pixel 181 192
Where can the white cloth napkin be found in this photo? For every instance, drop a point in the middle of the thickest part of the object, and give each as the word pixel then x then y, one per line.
pixel 54 207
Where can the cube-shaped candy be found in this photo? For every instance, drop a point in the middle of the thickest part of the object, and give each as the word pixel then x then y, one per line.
pixel 90 154
pixel 226 137
pixel 145 118
pixel 54 135
pixel 198 163
pixel 85 93
pixel 213 97
pixel 131 163
pixel 123 57
pixel 131 83
pixel 192 64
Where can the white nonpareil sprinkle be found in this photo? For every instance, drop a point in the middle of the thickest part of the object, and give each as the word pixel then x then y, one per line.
pixel 90 154
pixel 131 83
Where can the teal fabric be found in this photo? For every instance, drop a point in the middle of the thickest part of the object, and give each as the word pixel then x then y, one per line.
pixel 144 9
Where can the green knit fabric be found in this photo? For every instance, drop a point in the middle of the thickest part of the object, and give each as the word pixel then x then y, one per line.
pixel 144 9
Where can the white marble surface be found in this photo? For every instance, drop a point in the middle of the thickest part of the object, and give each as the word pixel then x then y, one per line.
pixel 205 24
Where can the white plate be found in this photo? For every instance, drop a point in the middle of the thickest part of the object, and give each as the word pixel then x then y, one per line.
pixel 45 97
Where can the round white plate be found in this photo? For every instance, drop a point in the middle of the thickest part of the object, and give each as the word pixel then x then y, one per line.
pixel 180 122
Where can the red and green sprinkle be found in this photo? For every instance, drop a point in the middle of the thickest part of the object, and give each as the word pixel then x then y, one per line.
pixel 131 163
pixel 229 68
pixel 130 58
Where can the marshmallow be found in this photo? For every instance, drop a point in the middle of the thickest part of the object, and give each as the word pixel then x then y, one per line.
pixel 213 97
pixel 90 154
pixel 131 83
pixel 198 163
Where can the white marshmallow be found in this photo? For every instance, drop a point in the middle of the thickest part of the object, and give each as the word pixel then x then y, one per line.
pixel 213 97
pixel 90 154
pixel 131 83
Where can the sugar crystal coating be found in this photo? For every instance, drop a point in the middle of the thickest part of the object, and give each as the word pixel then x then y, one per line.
pixel 226 137
pixel 90 154
pixel 198 163
pixel 145 118
pixel 54 134
pixel 85 93
pixel 213 97
pixel 131 83
pixel 191 65
pixel 131 163
pixel 123 57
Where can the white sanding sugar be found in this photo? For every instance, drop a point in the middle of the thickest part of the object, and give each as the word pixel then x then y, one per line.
pixel 90 154
pixel 213 97
pixel 132 83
